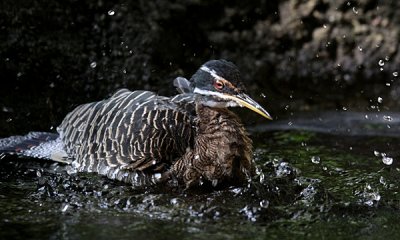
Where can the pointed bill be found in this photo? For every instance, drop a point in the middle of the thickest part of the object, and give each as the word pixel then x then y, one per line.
pixel 244 100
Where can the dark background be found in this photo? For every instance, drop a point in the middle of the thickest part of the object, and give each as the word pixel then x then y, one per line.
pixel 315 55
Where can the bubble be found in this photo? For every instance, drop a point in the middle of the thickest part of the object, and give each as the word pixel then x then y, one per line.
pixel 111 12
pixel 360 48
pixel 344 109
pixel 93 64
pixel 380 100
pixel 324 26
pixel 355 10
pixel 376 153
pixel 315 159
pixel 381 63
pixel 395 74
pixel 263 95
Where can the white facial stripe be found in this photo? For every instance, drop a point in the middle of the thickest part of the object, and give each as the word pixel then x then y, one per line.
pixel 212 73
pixel 210 103
pixel 209 93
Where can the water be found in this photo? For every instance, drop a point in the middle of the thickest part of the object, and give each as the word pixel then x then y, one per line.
pixel 313 181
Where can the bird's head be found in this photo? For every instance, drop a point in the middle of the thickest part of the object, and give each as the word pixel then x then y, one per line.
pixel 218 84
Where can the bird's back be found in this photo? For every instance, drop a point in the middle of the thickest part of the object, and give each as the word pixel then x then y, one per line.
pixel 136 130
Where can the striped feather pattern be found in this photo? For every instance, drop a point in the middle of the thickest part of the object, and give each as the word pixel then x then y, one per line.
pixel 136 130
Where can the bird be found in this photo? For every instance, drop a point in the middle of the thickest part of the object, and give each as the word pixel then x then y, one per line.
pixel 140 137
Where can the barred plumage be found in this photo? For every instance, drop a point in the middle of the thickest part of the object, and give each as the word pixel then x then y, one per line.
pixel 141 138
pixel 131 130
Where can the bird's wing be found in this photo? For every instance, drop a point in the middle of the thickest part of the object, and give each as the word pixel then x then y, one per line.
pixel 133 130
pixel 183 85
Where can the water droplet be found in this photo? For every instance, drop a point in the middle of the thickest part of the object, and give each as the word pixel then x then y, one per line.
pixel 395 74
pixel 174 201
pixel 327 44
pixel 315 159
pixel 264 203
pixel 344 109
pixel 157 176
pixel 214 182
pixel 381 63
pixel 382 180
pixel 111 12
pixel 387 58
pixel 93 64
pixel 387 160
pixel 355 10
pixel 64 207
pixel 387 118
pixel 366 116
pixel 376 153
pixel 380 100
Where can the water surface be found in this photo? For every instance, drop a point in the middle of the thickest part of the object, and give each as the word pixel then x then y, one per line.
pixel 329 175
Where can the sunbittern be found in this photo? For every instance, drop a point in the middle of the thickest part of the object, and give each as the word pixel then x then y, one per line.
pixel 191 137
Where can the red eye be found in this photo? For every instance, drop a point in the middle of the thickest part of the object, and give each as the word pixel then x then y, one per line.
pixel 218 85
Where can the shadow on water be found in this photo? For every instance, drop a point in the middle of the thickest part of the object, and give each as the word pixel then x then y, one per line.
pixel 333 175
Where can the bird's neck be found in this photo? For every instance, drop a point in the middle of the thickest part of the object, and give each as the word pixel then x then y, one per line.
pixel 222 151
pixel 207 116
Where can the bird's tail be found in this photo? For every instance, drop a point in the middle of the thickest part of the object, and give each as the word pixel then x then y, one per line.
pixel 42 145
